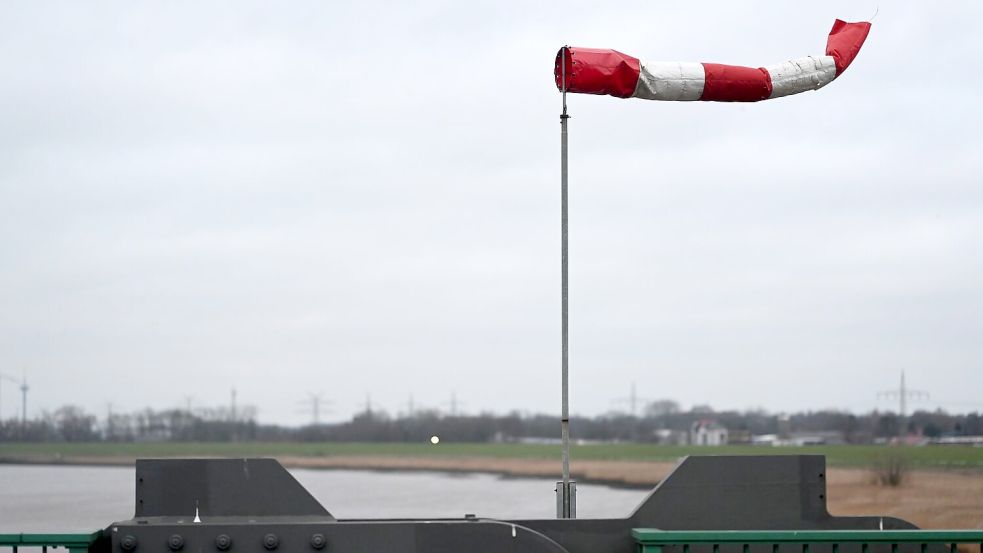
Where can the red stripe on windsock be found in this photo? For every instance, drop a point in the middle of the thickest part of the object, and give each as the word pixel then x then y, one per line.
pixel 733 83
pixel 844 42
pixel 596 71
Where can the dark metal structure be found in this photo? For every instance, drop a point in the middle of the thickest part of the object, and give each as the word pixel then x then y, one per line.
pixel 256 506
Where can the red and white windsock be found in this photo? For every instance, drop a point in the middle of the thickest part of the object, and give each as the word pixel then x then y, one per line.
pixel 594 71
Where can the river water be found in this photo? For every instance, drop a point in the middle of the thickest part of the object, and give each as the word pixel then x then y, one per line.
pixel 82 499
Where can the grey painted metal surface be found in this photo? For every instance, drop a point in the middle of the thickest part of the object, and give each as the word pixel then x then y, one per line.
pixel 255 506
pixel 181 488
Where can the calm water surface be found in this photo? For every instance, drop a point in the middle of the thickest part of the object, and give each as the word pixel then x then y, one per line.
pixel 82 499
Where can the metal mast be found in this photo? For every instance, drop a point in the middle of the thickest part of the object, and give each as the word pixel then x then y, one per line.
pixel 903 394
pixel 566 490
pixel 23 403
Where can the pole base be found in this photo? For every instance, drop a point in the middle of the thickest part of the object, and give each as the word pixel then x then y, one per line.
pixel 566 499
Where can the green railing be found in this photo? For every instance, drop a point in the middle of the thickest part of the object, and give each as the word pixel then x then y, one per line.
pixel 74 543
pixel 650 540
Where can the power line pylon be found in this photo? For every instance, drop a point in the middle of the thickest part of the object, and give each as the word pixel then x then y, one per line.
pixel 903 394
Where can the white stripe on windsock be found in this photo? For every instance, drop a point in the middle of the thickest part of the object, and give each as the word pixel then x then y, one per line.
pixel 800 75
pixel 670 80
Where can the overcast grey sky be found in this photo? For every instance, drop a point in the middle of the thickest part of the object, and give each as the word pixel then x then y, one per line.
pixel 363 198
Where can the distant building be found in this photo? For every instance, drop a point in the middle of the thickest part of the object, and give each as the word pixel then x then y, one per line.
pixel 798 439
pixel 764 439
pixel 822 437
pixel 707 432
pixel 976 441
pixel 665 436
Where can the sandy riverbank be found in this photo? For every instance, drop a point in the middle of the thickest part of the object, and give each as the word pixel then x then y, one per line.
pixel 929 498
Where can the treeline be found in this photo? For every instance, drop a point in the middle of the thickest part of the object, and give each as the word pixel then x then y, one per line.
pixel 73 424
pixel 662 421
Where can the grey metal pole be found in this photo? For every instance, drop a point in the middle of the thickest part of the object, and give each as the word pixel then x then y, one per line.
pixel 566 503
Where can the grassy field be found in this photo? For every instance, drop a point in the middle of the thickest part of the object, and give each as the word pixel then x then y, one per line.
pixel 843 456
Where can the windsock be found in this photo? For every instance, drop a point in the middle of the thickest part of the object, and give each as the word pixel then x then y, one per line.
pixel 595 71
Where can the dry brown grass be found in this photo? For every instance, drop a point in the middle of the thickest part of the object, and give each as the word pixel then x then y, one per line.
pixel 930 499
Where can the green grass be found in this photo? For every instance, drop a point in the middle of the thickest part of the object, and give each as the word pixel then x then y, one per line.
pixel 929 456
